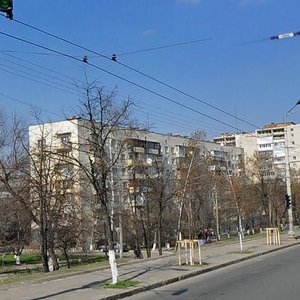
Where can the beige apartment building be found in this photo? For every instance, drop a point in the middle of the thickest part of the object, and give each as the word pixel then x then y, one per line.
pixel 272 139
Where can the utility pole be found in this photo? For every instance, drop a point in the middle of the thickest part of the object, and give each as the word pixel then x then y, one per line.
pixel 291 231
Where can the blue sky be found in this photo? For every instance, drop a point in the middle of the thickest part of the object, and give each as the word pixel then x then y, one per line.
pixel 238 69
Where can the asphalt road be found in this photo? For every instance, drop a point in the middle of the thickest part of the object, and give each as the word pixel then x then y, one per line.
pixel 274 276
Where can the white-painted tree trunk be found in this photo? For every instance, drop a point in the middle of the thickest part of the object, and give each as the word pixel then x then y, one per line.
pixel 18 261
pixel 241 242
pixel 113 266
pixel 50 264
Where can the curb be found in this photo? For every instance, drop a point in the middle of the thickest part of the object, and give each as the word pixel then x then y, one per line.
pixel 76 273
pixel 192 274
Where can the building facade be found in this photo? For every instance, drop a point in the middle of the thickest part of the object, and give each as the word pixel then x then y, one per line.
pixel 272 140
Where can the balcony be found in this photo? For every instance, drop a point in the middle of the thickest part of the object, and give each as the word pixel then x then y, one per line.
pixel 153 151
pixel 139 149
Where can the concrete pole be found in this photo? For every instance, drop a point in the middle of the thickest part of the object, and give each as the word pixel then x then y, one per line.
pixel 291 231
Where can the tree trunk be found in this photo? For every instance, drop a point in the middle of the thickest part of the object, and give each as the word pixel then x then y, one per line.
pixel 54 258
pixel 160 230
pixel 121 235
pixel 67 258
pixel 148 250
pixel 44 247
pixel 111 251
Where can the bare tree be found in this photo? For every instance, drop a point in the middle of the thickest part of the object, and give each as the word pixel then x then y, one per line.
pixel 32 175
pixel 15 226
pixel 105 124
pixel 161 188
pixel 267 183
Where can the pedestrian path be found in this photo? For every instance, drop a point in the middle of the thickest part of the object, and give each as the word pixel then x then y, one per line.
pixel 150 273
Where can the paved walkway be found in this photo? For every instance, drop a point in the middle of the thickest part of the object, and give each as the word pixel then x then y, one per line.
pixel 150 273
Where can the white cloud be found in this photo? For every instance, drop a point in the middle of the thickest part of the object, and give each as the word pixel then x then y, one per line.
pixel 188 1
pixel 148 32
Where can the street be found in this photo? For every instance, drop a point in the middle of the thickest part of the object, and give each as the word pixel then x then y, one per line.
pixel 275 276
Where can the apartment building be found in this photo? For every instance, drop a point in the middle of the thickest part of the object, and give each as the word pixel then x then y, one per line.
pixel 271 140
pixel 143 148
pixel 246 141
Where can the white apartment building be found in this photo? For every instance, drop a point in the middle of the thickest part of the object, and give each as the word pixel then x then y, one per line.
pixel 272 139
pixel 142 145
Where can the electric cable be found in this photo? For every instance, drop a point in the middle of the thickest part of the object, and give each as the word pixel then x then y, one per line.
pixel 119 77
pixel 39 77
pixel 164 46
pixel 41 67
pixel 29 104
pixel 135 70
pixel 36 81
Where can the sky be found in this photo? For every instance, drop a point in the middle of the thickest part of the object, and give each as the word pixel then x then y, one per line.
pixel 226 74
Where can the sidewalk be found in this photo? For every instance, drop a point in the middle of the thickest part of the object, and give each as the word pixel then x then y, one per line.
pixel 150 273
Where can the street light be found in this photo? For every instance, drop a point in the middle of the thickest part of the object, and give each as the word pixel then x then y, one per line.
pixel 291 231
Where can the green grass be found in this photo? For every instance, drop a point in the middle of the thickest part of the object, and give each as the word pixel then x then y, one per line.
pixel 9 260
pixel 80 263
pixel 123 284
pixel 26 258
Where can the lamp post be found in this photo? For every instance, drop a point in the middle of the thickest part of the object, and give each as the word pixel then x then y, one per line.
pixel 291 231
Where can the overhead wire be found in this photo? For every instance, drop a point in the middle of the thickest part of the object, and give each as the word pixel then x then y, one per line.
pixel 42 67
pixel 36 81
pixel 164 46
pixel 181 116
pixel 157 116
pixel 173 116
pixel 154 115
pixel 176 119
pixel 137 71
pixel 36 71
pixel 119 77
pixel 39 77
pixel 164 121
pixel 28 104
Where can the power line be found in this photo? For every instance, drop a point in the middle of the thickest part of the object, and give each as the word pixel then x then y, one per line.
pixel 31 69
pixel 119 77
pixel 37 81
pixel 137 71
pixel 29 104
pixel 163 113
pixel 41 67
pixel 280 36
pixel 165 46
pixel 27 52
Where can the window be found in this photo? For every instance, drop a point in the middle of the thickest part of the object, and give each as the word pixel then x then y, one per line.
pixel 113 143
pixel 41 143
pixel 65 139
